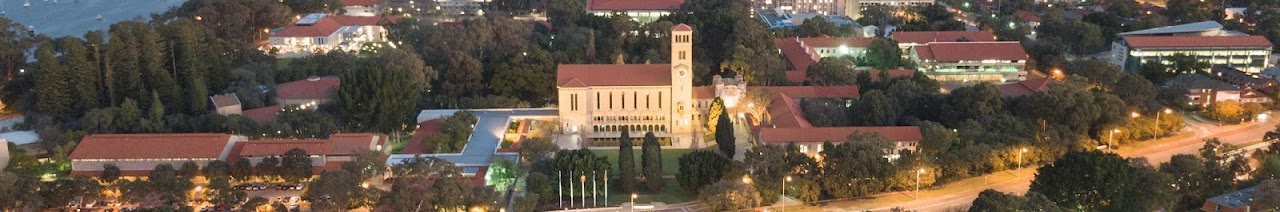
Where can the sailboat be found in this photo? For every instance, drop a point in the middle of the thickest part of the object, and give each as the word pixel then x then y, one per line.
pixel 26 3
pixel 99 17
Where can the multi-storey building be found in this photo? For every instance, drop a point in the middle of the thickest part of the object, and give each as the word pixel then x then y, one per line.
pixel 1250 54
pixel 971 61
pixel 642 11
pixel 598 102
pixel 802 52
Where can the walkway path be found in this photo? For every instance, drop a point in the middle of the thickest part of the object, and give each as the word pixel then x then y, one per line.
pixel 484 141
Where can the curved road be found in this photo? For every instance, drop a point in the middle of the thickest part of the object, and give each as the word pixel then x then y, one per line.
pixel 958 195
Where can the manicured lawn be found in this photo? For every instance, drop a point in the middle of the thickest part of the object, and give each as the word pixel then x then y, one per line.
pixel 670 158
pixel 671 194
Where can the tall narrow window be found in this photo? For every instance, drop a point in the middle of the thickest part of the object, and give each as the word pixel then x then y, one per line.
pixel 646 101
pixel 659 100
pixel 597 100
pixel 624 100
pixel 635 96
pixel 610 100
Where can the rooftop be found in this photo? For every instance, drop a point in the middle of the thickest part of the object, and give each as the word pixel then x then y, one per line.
pixel 311 88
pixel 583 75
pixel 1198 42
pixel 1025 87
pixel 153 146
pixel 836 134
pixel 801 92
pixel 1196 81
pixel 941 36
pixel 1203 26
pixel 359 2
pixel 1235 199
pixel 786 113
pixel 971 51
pixel 262 114
pixel 223 100
pixel 623 5
pixel 324 25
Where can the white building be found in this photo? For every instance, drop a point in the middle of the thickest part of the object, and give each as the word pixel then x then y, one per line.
pixel 361 7
pixel 318 32
pixel 643 11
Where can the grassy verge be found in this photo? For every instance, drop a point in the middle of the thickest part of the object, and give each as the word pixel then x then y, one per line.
pixel 671 194
pixel 670 158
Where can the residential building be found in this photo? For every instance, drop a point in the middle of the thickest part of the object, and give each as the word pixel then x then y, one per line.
pixel 1250 54
pixel 319 32
pixel 598 101
pixel 851 8
pixel 137 154
pixel 361 7
pixel 971 61
pixel 307 93
pixel 458 7
pixel 1202 90
pixel 1028 17
pixel 641 11
pixel 802 52
pixel 226 104
pixel 1236 201
pixel 146 151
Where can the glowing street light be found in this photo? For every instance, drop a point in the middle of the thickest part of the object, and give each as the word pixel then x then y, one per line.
pixel 633 201
pixel 1111 138
pixel 918 172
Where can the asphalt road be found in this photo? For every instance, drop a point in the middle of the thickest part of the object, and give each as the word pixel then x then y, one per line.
pixel 1155 154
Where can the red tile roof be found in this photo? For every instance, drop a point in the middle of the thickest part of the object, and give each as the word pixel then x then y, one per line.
pixel 785 112
pixel 801 92
pixel 681 27
pixel 612 5
pixel 359 2
pixel 941 36
pixel 971 51
pixel 582 75
pixel 1025 87
pixel 310 88
pixel 349 143
pixel 327 25
pixel 263 148
pixel 836 134
pixel 152 146
pixel 262 114
pixel 1027 16
pixel 704 92
pixel 797 55
pixel 1197 42
pixel 425 128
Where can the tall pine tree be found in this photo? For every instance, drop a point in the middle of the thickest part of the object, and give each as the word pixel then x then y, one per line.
pixel 651 163
pixel 123 64
pixel 52 97
pixel 724 135
pixel 191 69
pixel 80 72
pixel 96 46
pixel 626 162
pixel 152 62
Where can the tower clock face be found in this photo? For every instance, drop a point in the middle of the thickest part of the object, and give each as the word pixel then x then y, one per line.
pixel 681 72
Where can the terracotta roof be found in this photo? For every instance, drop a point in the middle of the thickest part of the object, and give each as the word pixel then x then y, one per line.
pixel 836 134
pixel 582 75
pixel 612 5
pixel 310 88
pixel 223 100
pixel 798 57
pixel 941 36
pixel 152 146
pixel 359 2
pixel 795 75
pixel 681 27
pixel 1198 42
pixel 1027 16
pixel 704 92
pixel 262 148
pixel 348 143
pixel 1025 87
pixel 971 51
pixel 327 25
pixel 425 128
pixel 785 112
pixel 262 114
pixel 802 92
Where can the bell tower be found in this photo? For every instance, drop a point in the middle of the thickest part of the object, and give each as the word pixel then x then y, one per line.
pixel 682 78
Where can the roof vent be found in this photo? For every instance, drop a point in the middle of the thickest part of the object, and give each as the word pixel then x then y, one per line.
pixel 313 78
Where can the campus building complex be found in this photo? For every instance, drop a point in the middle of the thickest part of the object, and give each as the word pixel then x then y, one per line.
pixel 138 154
pixel 642 11
pixel 1206 41
pixel 969 62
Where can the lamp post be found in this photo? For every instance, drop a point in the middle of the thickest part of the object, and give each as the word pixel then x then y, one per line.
pixel 1023 150
pixel 918 172
pixel 1112 138
pixel 1157 124
pixel 784 186
pixel 633 201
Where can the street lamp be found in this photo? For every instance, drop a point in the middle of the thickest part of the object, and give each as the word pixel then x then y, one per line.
pixel 1157 124
pixel 1134 115
pixel 784 185
pixel 918 172
pixel 1024 150
pixel 633 201
pixel 1111 138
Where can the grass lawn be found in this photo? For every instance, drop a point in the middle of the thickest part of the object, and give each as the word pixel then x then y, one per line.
pixel 670 158
pixel 671 194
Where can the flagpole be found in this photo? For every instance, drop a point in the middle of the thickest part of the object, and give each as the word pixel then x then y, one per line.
pixel 593 188
pixel 606 188
pixel 560 187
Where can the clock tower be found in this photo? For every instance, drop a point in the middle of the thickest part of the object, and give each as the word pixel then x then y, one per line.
pixel 682 79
